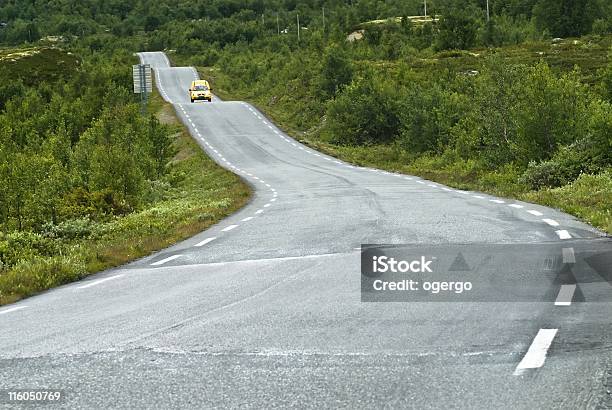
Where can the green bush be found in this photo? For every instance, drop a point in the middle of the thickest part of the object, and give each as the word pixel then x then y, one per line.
pixel 337 71
pixel 17 246
pixel 427 116
pixel 458 29
pixel 601 27
pixel 545 174
pixel 585 156
pixel 79 203
pixel 364 113
pixel 80 228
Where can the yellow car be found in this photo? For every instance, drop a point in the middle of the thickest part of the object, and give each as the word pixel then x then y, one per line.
pixel 200 90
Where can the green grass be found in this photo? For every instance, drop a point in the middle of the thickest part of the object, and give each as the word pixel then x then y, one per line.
pixel 200 193
pixel 589 198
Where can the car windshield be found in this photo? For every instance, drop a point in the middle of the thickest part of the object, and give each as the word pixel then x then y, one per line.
pixel 200 88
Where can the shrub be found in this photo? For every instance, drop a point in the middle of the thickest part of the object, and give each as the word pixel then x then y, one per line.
pixel 601 27
pixel 71 229
pixel 364 113
pixel 337 71
pixel 427 116
pixel 457 30
pixel 80 203
pixel 584 156
pixel 545 174
pixel 17 246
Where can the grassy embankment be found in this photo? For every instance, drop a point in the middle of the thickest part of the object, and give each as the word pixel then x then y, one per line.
pixel 588 198
pixel 196 194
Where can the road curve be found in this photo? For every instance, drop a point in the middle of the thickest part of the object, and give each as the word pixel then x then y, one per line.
pixel 263 309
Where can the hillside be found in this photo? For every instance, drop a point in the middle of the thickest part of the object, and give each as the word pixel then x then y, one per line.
pixel 440 114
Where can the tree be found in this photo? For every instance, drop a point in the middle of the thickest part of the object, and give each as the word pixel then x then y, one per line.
pixel 337 71
pixel 488 130
pixel 457 30
pixel 427 115
pixel 566 18
pixel 364 113
pixel 551 112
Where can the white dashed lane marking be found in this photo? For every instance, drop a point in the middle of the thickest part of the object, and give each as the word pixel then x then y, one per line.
pixel 563 234
pixel 229 228
pixel 168 259
pixel 536 213
pixel 536 355
pixel 247 219
pixel 205 241
pixel 259 211
pixel 97 282
pixel 566 294
pixel 551 222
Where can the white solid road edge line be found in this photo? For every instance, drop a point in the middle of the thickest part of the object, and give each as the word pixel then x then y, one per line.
pixel 2 312
pixel 97 282
pixel 565 296
pixel 536 355
pixel 205 241
pixel 168 259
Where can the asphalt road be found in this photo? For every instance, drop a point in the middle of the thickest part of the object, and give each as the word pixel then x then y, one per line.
pixel 264 309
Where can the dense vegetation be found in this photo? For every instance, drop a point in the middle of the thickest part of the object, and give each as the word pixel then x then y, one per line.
pixel 89 182
pixel 493 102
pixel 72 151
